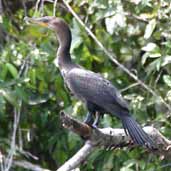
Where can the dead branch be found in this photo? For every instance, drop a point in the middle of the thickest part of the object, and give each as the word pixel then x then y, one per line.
pixel 27 165
pixel 78 158
pixel 108 138
pixel 1 8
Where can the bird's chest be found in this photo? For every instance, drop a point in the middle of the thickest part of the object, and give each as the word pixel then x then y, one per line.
pixel 69 85
pixel 77 89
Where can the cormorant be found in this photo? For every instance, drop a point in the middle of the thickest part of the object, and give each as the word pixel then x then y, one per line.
pixel 99 95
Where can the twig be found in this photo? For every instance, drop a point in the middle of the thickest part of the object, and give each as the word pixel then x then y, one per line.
pixel 17 113
pixel 54 7
pixel 27 165
pixel 42 8
pixel 25 8
pixel 128 87
pixel 113 57
pixel 9 159
pixel 1 11
pixel 36 8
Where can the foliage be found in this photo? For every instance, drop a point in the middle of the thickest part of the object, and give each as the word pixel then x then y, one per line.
pixel 138 32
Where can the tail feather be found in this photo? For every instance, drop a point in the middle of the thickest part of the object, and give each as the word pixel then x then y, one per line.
pixel 135 135
pixel 136 132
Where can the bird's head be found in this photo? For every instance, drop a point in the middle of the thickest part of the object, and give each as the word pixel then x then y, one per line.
pixel 59 26
pixel 56 24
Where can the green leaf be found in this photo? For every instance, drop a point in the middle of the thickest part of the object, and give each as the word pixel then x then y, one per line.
pixel 154 66
pixel 21 94
pixel 144 58
pixel 32 75
pixel 12 70
pixel 167 80
pixel 149 29
pixel 3 73
pixel 152 51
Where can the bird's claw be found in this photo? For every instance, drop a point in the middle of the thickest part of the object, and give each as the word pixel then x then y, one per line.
pixel 94 126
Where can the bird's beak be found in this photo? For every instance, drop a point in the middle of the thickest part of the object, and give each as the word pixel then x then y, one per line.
pixel 38 21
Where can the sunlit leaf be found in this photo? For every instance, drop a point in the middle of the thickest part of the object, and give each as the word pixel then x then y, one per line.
pixel 150 28
pixel 167 80
pixel 150 47
pixel 166 60
pixel 168 95
pixel 117 20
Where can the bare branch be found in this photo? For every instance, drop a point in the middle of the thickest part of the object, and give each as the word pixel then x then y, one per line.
pixel 113 57
pixel 9 159
pixel 108 138
pixel 27 165
pixel 54 7
pixel 78 158
pixel 36 7
pixel 25 7
pixel 129 87
pixel 79 128
pixel 1 11
pixel 17 112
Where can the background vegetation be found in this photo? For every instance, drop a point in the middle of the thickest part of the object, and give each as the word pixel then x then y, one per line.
pixel 138 32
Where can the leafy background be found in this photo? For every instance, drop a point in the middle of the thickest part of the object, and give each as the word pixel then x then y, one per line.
pixel 138 32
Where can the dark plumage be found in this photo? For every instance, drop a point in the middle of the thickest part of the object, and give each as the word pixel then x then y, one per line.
pixel 98 93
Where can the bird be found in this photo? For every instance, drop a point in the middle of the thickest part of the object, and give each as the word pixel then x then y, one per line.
pixel 99 94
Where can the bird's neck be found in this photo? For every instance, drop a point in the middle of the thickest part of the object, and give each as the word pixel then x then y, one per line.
pixel 63 53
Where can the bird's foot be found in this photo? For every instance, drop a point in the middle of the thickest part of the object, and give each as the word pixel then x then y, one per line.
pixel 89 119
pixel 94 126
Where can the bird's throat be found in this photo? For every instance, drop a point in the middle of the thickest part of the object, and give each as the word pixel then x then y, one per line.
pixel 63 53
pixel 63 58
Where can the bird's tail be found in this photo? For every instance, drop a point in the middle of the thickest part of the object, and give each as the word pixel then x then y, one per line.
pixel 137 134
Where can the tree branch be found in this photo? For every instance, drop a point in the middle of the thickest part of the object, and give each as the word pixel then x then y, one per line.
pixel 27 165
pixel 1 11
pixel 108 138
pixel 78 158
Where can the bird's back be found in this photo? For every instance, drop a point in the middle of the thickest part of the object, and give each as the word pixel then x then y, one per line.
pixel 92 87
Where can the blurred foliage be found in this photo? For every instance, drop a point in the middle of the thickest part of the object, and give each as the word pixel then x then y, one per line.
pixel 138 32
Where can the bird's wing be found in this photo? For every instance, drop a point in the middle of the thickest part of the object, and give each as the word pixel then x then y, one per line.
pixel 94 88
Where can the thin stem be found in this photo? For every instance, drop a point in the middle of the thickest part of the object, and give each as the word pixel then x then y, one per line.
pixel 36 8
pixel 130 86
pixel 17 112
pixel 9 159
pixel 54 8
